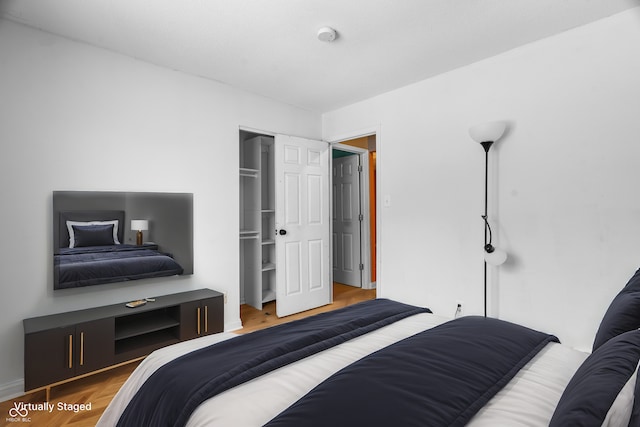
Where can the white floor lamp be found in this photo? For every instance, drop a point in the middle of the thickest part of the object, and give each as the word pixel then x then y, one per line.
pixel 486 134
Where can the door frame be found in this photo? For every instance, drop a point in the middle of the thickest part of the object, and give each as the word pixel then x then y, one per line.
pixel 363 191
pixel 373 129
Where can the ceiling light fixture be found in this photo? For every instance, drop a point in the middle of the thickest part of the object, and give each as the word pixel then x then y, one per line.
pixel 327 34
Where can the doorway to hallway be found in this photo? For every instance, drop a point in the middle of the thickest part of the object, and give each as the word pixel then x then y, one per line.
pixel 354 212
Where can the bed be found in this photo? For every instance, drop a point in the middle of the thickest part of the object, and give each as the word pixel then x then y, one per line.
pixel 381 363
pixel 89 250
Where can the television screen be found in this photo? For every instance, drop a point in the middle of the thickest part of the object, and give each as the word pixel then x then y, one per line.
pixel 105 237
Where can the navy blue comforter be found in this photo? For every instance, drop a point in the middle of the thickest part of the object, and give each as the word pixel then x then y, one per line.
pixel 172 393
pixel 440 377
pixel 95 265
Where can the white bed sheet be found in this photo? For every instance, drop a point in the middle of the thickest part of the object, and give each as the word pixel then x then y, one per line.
pixel 528 400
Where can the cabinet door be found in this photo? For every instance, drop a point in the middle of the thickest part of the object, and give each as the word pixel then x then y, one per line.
pixel 190 320
pixel 204 317
pixel 212 311
pixel 94 345
pixel 48 357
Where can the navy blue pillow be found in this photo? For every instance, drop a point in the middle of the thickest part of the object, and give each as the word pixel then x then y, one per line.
pixel 622 315
pixel 635 414
pixel 93 235
pixel 597 382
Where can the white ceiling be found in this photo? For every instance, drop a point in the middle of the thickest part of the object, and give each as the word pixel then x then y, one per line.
pixel 269 47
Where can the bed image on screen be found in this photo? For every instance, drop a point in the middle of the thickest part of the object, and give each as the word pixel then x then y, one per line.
pixel 94 243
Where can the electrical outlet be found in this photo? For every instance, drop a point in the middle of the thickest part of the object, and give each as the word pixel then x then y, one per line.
pixel 459 308
pixel 224 296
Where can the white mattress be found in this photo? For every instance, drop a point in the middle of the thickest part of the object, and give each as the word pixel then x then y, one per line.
pixel 528 400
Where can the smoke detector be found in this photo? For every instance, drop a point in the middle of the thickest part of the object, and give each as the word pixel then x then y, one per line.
pixel 327 34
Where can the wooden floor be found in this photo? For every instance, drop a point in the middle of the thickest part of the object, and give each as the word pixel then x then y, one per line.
pixel 99 389
pixel 343 295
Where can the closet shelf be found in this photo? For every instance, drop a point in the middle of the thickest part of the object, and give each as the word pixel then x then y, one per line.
pixel 251 173
pixel 268 295
pixel 268 266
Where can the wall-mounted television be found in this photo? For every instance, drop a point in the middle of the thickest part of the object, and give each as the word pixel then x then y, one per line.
pixel 102 237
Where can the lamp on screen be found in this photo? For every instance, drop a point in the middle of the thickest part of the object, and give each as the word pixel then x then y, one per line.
pixel 139 225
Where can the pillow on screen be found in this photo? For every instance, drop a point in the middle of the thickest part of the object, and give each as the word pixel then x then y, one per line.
pixel 93 235
pixel 70 224
pixel 601 392
pixel 623 313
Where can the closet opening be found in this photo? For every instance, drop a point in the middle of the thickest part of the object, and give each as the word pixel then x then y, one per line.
pixel 257 219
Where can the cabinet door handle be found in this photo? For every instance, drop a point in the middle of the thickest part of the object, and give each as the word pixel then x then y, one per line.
pixel 206 319
pixel 198 320
pixel 70 351
pixel 81 348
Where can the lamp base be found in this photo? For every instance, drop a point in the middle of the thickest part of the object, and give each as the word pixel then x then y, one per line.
pixel 139 238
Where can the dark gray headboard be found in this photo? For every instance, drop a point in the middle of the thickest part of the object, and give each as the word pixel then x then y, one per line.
pixel 61 233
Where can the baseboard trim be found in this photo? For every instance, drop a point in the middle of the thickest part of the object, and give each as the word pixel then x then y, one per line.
pixel 11 390
pixel 233 326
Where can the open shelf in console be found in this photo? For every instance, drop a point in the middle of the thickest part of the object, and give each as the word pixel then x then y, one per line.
pixel 149 329
pixel 147 322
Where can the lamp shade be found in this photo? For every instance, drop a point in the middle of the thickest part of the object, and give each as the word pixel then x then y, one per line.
pixel 139 224
pixel 495 257
pixel 485 132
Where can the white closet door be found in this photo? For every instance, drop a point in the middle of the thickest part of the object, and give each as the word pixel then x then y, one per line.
pixel 303 238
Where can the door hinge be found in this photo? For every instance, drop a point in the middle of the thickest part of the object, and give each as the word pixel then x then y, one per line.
pixel 361 217
pixel 359 168
pixel 361 267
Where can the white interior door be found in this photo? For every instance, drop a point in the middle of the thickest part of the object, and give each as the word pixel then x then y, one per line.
pixel 303 260
pixel 347 223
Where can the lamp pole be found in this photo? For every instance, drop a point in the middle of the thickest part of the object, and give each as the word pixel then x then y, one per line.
pixel 486 134
pixel 486 145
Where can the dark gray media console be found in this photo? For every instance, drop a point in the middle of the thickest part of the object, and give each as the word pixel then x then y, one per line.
pixel 60 347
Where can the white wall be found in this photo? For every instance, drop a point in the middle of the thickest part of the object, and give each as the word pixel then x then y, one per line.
pixel 563 181
pixel 74 117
